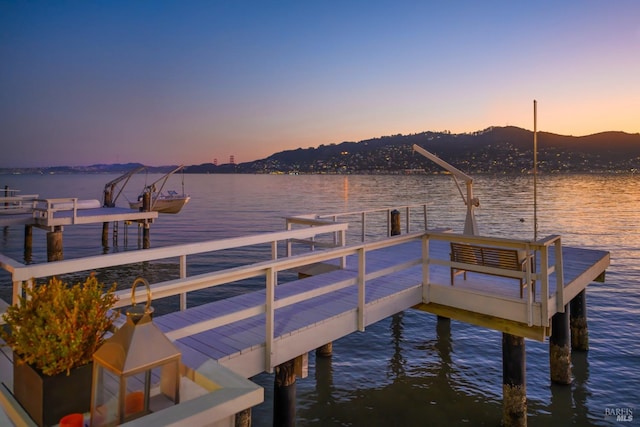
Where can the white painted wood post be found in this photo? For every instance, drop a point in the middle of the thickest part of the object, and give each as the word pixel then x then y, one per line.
pixel 425 270
pixel 560 304
pixel 361 289
pixel 183 274
pixel 270 320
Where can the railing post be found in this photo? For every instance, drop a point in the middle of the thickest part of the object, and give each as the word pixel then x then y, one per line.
pixel 560 304
pixel 17 291
pixel 361 289
pixel 407 219
pixel 424 207
pixel 364 227
pixel 343 242
pixel 531 292
pixel 390 222
pixel 183 274
pixel 270 320
pixel 544 291
pixel 425 270
pixel 288 250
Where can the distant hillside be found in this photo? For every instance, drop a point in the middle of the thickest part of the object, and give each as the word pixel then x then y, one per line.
pixel 493 150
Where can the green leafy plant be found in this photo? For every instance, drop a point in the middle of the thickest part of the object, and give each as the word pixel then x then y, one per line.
pixel 56 327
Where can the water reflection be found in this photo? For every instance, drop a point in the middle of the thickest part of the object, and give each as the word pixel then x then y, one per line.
pixel 397 362
pixel 579 388
pixel 324 380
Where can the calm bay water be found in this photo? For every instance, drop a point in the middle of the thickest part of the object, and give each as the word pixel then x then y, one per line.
pixel 408 370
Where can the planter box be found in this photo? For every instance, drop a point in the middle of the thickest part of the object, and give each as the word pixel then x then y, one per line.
pixel 49 398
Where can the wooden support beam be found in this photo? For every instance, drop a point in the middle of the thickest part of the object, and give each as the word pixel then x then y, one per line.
pixel 538 333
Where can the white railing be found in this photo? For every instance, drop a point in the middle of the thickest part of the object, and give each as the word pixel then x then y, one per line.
pixel 381 219
pixel 22 273
pixel 539 250
pixel 17 204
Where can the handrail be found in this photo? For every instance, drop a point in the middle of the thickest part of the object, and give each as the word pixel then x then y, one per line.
pixel 25 273
pixel 363 215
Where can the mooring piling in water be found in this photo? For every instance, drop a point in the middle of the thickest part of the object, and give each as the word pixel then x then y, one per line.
pixel 578 322
pixel 243 418
pixel 514 384
pixel 28 242
pixel 560 348
pixel 54 245
pixel 325 350
pixel 105 234
pixel 395 223
pixel 284 395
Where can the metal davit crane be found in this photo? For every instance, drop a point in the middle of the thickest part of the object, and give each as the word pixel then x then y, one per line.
pixel 470 225
pixel 110 187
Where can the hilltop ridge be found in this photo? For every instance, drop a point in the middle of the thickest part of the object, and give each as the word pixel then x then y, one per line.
pixel 506 149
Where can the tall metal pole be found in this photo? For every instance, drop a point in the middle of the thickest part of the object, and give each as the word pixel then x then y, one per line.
pixel 535 170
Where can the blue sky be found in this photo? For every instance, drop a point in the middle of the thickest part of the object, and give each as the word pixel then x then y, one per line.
pixel 192 81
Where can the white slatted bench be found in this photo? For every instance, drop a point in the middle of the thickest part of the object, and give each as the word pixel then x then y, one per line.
pixel 487 256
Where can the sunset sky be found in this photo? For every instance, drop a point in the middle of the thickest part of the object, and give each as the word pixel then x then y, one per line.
pixel 188 82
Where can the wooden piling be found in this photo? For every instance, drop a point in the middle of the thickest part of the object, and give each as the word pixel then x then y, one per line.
pixel 108 199
pixel 54 245
pixel 243 419
pixel 560 348
pixel 146 206
pixel 325 350
pixel 105 234
pixel 514 384
pixel 28 243
pixel 578 322
pixel 395 223
pixel 146 240
pixel 284 395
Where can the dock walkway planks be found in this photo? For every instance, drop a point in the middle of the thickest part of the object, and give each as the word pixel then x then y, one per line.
pixel 310 323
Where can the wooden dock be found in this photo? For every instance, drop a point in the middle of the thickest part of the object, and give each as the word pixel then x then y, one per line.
pixel 51 214
pixel 351 288
pixel 313 311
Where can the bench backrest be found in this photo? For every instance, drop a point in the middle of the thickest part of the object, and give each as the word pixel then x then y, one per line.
pixel 486 256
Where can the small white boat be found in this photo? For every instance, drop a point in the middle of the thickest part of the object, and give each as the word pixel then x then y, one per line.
pixel 171 202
